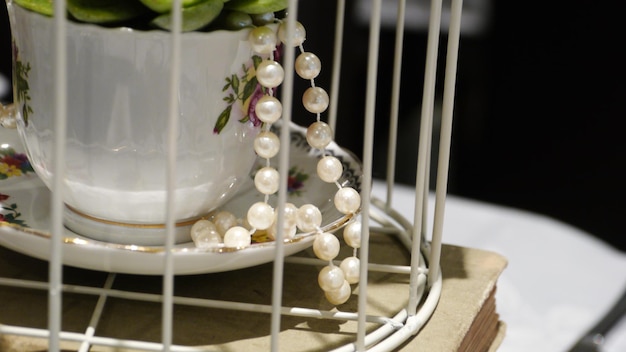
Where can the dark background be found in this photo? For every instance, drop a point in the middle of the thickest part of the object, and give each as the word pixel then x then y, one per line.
pixel 540 109
pixel 541 103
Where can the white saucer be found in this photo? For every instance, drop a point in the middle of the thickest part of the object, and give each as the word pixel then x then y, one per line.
pixel 28 200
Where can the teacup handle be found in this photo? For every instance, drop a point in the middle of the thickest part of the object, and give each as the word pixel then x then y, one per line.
pixel 7 116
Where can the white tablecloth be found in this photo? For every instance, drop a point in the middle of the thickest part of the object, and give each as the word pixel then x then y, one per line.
pixel 559 281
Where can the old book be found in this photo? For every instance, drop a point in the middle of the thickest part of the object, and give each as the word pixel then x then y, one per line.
pixel 464 320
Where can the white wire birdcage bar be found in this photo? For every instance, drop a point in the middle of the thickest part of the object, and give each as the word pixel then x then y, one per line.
pixel 425 281
pixel 368 157
pixel 388 326
pixel 287 99
pixel 60 113
pixel 167 318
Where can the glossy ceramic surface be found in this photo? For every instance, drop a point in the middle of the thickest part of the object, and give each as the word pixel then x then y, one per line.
pixel 118 89
pixel 25 212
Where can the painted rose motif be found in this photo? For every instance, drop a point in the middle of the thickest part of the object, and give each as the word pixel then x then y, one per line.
pixel 244 90
pixel 295 181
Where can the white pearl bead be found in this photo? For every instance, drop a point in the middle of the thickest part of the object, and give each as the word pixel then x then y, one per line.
pixel 290 216
pixel 223 221
pixel 339 296
pixel 315 100
pixel 352 234
pixel 262 39
pixel 351 269
pixel 331 278
pixel 260 215
pixel 319 135
pixel 268 109
pixel 266 144
pixel 329 169
pixel 237 237
pixel 326 246
pixel 289 222
pixel 289 232
pixel 267 180
pixel 347 200
pixel 202 225
pixel 308 65
pixel 270 74
pixel 299 35
pixel 309 218
pixel 204 234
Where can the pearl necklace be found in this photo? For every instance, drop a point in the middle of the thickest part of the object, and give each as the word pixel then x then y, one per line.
pixel 334 280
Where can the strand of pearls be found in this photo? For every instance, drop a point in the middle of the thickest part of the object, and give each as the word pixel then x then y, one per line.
pixel 334 280
pixel 223 229
pixel 268 109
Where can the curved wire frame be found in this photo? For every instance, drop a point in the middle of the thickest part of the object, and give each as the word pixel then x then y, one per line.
pixel 425 284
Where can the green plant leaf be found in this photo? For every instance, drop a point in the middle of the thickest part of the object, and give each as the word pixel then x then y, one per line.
pixel 194 17
pixel 105 11
pixel 164 6
pixel 44 7
pixel 257 7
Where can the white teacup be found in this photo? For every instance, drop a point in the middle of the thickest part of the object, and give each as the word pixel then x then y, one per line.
pixel 118 88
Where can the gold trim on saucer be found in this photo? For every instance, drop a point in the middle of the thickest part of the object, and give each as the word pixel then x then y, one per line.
pixel 184 223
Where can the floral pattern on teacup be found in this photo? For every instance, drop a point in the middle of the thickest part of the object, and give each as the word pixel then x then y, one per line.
pixel 21 85
pixel 295 181
pixel 244 89
pixel 9 212
pixel 13 164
